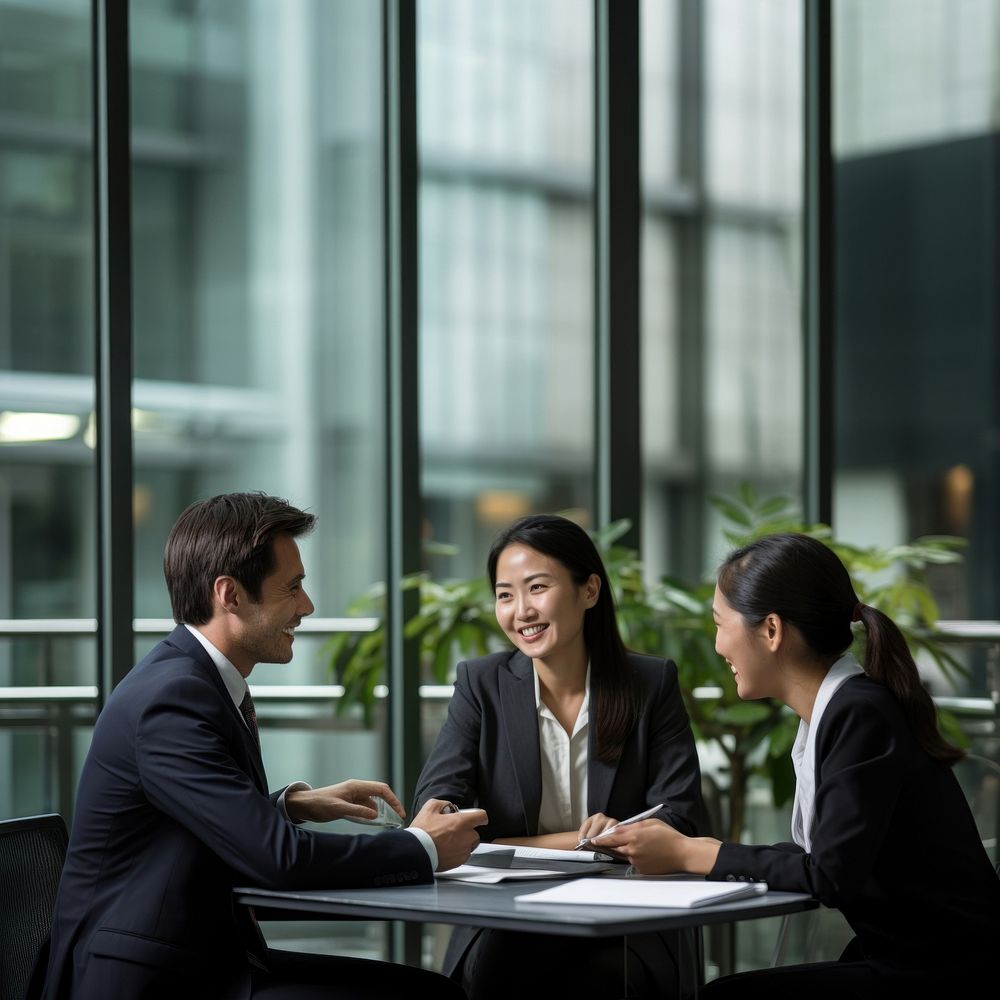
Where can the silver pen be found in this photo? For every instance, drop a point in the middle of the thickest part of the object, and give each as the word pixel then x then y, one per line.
pixel 637 818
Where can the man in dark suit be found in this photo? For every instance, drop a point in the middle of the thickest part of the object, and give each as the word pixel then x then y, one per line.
pixel 173 810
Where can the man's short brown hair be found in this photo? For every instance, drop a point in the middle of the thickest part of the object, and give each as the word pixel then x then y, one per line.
pixel 227 535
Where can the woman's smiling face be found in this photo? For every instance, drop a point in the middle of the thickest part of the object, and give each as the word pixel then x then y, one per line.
pixel 744 648
pixel 539 605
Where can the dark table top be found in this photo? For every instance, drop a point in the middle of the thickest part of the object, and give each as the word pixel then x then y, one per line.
pixel 479 905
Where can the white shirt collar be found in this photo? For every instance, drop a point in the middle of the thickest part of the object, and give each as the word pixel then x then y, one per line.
pixel 235 682
pixel 563 764
pixel 804 750
pixel 582 716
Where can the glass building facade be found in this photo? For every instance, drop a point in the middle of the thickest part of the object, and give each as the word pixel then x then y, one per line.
pixel 261 234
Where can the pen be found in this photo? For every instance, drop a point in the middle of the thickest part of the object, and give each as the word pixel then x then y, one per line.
pixel 638 817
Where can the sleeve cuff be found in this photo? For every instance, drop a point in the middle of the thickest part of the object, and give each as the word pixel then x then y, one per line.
pixel 293 787
pixel 427 842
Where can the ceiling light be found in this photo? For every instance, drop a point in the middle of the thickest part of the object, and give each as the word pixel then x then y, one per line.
pixel 16 426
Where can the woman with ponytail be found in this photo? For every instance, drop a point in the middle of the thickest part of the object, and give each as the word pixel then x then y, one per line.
pixel 880 827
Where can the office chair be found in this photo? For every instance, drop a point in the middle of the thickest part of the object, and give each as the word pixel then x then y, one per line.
pixel 32 852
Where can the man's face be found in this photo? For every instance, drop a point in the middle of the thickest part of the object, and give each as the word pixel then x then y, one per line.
pixel 268 625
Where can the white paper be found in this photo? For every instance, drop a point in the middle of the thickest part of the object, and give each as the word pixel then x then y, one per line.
pixel 473 873
pixel 668 894
pixel 537 853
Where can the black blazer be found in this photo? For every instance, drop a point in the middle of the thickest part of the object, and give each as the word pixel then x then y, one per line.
pixel 894 844
pixel 487 754
pixel 172 811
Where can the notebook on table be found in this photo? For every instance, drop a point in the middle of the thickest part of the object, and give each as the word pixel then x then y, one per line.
pixel 570 862
pixel 668 893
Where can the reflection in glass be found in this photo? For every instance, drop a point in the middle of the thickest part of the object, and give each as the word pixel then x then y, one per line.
pixel 721 289
pixel 907 74
pixel 257 255
pixel 506 367
pixel 46 383
pixel 915 136
pixel 258 260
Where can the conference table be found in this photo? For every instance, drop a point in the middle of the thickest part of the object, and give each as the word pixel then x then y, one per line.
pixel 484 905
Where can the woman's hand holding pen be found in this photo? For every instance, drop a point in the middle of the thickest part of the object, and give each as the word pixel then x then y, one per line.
pixel 593 825
pixel 605 824
pixel 654 848
pixel 650 846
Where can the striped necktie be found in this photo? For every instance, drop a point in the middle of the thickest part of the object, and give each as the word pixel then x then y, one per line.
pixel 250 714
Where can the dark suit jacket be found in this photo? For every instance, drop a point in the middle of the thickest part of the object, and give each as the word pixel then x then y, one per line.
pixel 488 754
pixel 172 810
pixel 894 844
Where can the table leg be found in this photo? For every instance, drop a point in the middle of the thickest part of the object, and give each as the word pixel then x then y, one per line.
pixel 625 966
pixel 690 948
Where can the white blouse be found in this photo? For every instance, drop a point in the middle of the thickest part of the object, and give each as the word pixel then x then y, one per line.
pixel 564 766
pixel 804 750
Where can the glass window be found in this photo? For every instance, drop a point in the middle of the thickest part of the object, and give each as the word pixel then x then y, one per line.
pixel 912 72
pixel 506 313
pixel 915 93
pixel 258 331
pixel 722 393
pixel 258 277
pixel 47 486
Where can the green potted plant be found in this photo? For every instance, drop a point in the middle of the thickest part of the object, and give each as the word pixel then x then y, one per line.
pixel 672 618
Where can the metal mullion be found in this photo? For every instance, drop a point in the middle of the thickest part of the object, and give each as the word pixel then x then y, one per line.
pixel 817 287
pixel 618 456
pixel 403 552
pixel 113 340
pixel 686 524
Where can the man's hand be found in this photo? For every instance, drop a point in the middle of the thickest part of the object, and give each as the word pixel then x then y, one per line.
pixel 351 799
pixel 454 834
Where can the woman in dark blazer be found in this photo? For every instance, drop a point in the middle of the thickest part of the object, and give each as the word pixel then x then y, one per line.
pixel 557 740
pixel 880 827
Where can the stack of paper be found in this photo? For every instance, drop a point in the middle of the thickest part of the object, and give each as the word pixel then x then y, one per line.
pixel 500 862
pixel 479 875
pixel 667 894
pixel 571 862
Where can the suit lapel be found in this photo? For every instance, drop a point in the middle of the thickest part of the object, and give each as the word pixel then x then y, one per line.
pixel 188 644
pixel 600 773
pixel 520 717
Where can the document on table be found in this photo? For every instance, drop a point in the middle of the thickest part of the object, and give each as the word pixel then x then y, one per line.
pixel 489 876
pixel 566 862
pixel 668 894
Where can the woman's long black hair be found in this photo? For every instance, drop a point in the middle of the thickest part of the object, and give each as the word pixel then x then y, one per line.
pixel 614 694
pixel 803 581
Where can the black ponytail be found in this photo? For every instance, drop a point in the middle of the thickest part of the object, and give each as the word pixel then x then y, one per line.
pixel 802 581
pixel 888 661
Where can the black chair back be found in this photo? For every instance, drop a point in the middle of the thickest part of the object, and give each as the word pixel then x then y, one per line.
pixel 32 852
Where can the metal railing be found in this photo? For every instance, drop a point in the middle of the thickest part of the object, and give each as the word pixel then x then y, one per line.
pixel 59 710
pixel 62 711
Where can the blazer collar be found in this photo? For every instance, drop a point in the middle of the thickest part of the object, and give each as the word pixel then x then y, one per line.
pixel 600 773
pixel 517 702
pixel 520 717
pixel 183 640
